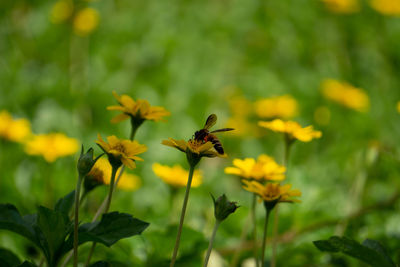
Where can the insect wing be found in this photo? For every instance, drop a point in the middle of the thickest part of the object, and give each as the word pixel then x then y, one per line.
pixel 223 130
pixel 211 120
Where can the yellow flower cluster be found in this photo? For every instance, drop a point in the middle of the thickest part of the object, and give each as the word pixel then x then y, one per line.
pixel 176 176
pixel 84 20
pixel 17 130
pixel 264 168
pixel 343 6
pixel 292 130
pixel 345 94
pixel 386 7
pixel 51 146
pixel 283 107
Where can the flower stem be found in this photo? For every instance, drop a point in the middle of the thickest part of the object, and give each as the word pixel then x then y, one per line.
pixel 254 221
pixel 76 219
pixel 210 245
pixel 185 201
pixel 264 241
pixel 288 144
pixel 107 207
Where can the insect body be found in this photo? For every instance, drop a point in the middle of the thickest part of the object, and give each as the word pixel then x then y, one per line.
pixel 205 135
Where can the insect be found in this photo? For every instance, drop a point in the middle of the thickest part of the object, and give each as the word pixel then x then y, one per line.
pixel 205 135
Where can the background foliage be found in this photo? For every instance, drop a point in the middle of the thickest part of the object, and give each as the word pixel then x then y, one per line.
pixel 192 57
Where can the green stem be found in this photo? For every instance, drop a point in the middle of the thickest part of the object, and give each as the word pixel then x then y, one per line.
pixel 76 219
pixel 254 221
pixel 185 201
pixel 108 203
pixel 264 241
pixel 210 245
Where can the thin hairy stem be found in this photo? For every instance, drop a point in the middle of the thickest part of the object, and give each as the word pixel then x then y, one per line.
pixel 210 245
pixel 264 241
pixel 76 219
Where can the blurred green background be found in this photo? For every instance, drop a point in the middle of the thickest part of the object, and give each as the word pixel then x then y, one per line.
pixel 192 57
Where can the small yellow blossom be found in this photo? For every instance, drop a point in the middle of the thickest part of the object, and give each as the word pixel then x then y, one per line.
pixel 101 173
pixel 86 21
pixel 291 129
pixel 322 115
pixel 272 192
pixel 265 168
pixel 345 94
pixel 386 7
pixel 123 150
pixel 139 109
pixel 51 146
pixel 176 176
pixel 17 130
pixel 61 11
pixel 283 107
pixel 343 6
pixel 196 147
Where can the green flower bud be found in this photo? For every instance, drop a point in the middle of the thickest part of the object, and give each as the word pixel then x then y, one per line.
pixel 223 207
pixel 86 162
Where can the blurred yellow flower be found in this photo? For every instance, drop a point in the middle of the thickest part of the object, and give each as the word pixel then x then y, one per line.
pixel 291 129
pixel 272 192
pixel 264 168
pixel 240 106
pixel 51 146
pixel 386 7
pixel 176 176
pixel 342 6
pixel 283 107
pixel 322 115
pixel 17 130
pixel 86 21
pixel 101 172
pixel 123 150
pixel 398 106
pixel 61 11
pixel 139 109
pixel 197 147
pixel 345 94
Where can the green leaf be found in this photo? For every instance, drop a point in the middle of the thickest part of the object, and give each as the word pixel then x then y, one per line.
pixel 11 220
pixel 372 253
pixel 27 264
pixel 54 227
pixel 65 204
pixel 112 227
pixel 375 245
pixel 8 259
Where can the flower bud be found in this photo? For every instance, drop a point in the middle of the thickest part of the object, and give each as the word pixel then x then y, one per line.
pixel 223 207
pixel 86 162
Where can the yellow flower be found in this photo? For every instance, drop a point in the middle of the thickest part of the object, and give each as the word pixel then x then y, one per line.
pixel 17 130
pixel 272 192
pixel 196 147
pixel 240 106
pixel 343 6
pixel 139 109
pixel 51 146
pixel 124 151
pixel 386 7
pixel 86 21
pixel 176 176
pixel 284 107
pixel 61 11
pixel 345 94
pixel 101 173
pixel 264 168
pixel 291 129
pixel 398 106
